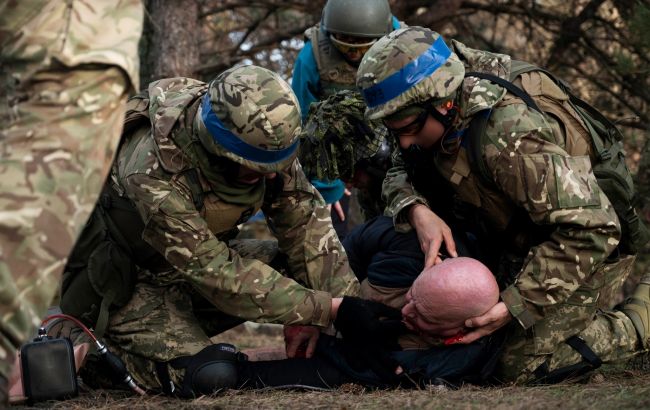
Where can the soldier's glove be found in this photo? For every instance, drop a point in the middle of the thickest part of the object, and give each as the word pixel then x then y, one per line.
pixel 370 331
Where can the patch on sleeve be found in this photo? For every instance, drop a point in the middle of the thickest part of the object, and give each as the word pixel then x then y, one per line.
pixel 576 184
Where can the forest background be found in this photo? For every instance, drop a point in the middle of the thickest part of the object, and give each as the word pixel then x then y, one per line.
pixel 600 47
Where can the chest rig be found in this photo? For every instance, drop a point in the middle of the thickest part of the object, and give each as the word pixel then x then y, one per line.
pixel 335 73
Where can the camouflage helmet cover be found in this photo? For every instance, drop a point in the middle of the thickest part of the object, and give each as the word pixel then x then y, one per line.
pixel 336 137
pixel 251 116
pixel 408 66
pixel 358 18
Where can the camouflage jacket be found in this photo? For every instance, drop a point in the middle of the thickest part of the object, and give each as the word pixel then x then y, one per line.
pixel 30 34
pixel 151 170
pixel 535 171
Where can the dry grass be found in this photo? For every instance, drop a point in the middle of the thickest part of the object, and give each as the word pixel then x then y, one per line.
pixel 620 390
pixel 612 388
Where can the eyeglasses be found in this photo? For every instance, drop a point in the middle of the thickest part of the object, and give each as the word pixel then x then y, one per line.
pixel 348 47
pixel 411 128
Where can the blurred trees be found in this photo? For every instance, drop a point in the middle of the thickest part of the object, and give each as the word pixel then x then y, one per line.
pixel 601 47
pixel 170 40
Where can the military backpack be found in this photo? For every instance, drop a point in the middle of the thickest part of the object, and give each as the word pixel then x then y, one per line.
pixel 608 163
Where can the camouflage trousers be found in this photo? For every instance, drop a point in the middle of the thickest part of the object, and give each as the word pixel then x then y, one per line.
pixel 609 333
pixel 59 128
pixel 163 322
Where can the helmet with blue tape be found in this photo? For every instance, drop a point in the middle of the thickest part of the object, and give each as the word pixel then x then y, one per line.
pixel 409 66
pixel 251 116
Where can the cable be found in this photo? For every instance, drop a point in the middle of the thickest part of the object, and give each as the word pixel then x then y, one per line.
pixel 114 362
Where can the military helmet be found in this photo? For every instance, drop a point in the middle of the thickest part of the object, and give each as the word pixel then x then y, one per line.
pixel 251 116
pixel 358 18
pixel 408 66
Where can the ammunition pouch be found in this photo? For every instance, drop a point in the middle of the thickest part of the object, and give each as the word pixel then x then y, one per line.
pixel 100 274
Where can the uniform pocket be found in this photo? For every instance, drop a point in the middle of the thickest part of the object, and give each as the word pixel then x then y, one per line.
pixel 576 185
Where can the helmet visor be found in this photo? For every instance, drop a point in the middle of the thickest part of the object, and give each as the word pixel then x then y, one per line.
pixel 349 47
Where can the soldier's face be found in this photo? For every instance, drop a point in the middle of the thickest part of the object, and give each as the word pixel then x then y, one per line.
pixel 420 129
pixel 418 316
pixel 251 177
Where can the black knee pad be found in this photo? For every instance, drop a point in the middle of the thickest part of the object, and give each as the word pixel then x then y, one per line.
pixel 211 370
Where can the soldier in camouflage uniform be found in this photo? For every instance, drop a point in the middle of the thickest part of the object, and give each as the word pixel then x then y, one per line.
pixel 328 63
pixel 66 69
pixel 196 160
pixel 558 260
pixel 337 143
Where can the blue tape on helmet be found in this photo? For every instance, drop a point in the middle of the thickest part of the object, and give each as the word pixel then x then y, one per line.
pixel 409 75
pixel 236 145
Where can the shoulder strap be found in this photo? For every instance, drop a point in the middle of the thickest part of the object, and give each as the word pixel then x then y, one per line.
pixel 595 122
pixel 525 97
pixel 474 134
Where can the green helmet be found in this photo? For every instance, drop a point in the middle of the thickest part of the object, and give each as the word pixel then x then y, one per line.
pixel 251 116
pixel 358 18
pixel 408 66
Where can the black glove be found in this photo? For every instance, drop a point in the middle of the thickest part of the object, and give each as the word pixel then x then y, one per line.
pixel 369 323
pixel 370 331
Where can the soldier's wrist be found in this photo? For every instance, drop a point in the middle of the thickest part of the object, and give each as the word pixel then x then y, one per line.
pixel 336 302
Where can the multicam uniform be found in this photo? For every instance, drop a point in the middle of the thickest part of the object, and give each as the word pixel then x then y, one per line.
pixel 175 309
pixel 564 277
pixel 66 69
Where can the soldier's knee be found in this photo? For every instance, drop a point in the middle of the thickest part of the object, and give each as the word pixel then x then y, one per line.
pixel 211 370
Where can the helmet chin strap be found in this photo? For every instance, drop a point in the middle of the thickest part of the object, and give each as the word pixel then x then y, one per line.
pixel 447 120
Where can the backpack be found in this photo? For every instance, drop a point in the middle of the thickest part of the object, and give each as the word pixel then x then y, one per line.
pixel 609 167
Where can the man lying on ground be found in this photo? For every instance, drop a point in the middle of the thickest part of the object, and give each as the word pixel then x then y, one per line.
pixel 434 306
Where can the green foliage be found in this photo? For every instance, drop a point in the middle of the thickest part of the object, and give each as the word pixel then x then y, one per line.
pixel 624 63
pixel 640 26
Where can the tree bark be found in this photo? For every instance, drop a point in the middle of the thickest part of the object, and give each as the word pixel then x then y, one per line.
pixel 170 40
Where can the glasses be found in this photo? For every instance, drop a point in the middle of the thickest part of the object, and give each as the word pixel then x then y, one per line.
pixel 351 47
pixel 411 128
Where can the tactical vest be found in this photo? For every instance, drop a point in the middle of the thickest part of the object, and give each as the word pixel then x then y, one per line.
pixel 102 269
pixel 336 74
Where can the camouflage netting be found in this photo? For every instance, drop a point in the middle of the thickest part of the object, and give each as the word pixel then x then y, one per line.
pixel 336 137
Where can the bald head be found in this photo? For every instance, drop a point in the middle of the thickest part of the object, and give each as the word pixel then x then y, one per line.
pixel 449 293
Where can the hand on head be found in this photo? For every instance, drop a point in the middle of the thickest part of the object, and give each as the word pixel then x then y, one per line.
pixel 446 295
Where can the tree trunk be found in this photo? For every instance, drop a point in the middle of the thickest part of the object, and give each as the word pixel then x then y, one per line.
pixel 170 40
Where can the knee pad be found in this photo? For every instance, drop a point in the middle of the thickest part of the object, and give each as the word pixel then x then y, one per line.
pixel 211 370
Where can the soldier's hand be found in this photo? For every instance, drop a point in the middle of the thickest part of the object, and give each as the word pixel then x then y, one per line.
pixel 368 323
pixel 300 341
pixel 337 205
pixel 494 319
pixel 432 232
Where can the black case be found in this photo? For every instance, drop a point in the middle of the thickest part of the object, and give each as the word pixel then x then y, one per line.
pixel 48 369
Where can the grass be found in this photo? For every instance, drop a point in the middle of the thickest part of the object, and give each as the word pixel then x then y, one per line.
pixel 619 389
pixel 610 388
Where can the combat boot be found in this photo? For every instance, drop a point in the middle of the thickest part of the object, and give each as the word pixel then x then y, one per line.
pixel 637 308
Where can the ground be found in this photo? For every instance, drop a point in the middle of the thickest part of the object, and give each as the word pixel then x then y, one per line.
pixel 610 388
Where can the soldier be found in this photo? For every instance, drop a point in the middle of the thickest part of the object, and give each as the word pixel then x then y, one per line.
pixel 558 232
pixel 337 143
pixel 196 160
pixel 66 69
pixel 328 63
